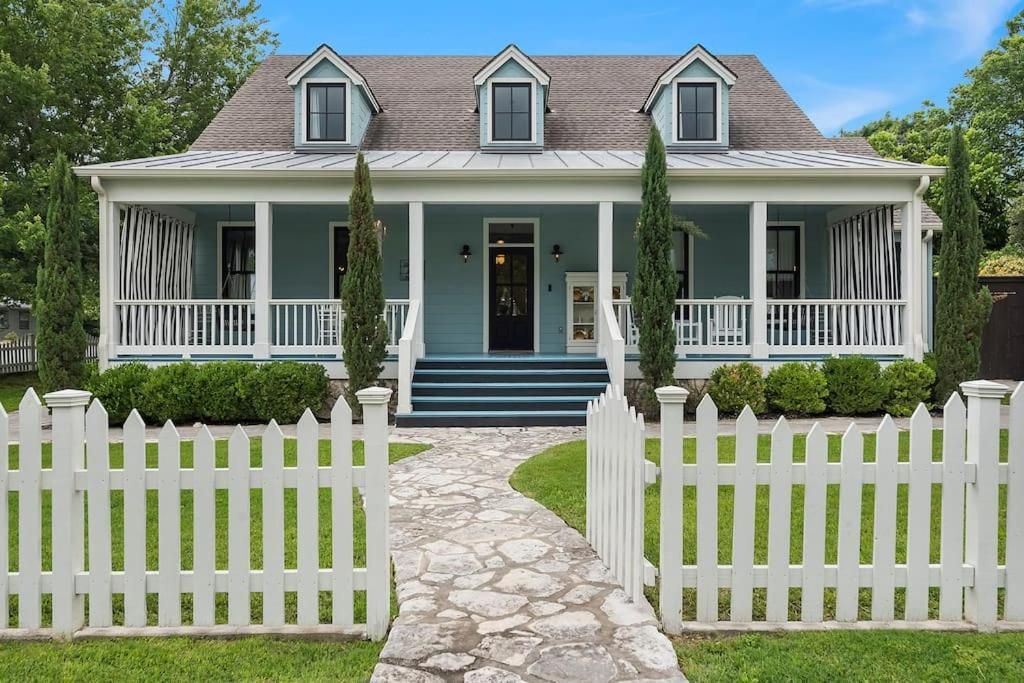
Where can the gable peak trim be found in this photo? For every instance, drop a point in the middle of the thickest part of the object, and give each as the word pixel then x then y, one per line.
pixel 697 53
pixel 513 52
pixel 323 52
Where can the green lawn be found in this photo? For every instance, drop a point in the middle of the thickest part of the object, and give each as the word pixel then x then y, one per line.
pixel 854 656
pixel 159 659
pixel 556 478
pixel 12 388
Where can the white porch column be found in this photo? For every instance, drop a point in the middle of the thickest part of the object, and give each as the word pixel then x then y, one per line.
pixel 759 279
pixel 416 268
pixel 110 271
pixel 261 293
pixel 910 291
pixel 604 266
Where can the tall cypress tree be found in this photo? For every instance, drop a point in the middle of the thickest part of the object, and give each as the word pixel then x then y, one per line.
pixel 963 307
pixel 655 291
pixel 364 333
pixel 61 338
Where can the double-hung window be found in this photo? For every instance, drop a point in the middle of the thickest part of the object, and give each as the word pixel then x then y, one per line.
pixel 512 111
pixel 325 112
pixel 698 112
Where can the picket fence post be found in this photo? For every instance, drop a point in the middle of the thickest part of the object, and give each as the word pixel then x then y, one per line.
pixel 982 498
pixel 374 401
pixel 673 403
pixel 68 507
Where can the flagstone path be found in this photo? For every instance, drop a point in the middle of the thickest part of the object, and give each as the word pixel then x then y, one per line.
pixel 493 587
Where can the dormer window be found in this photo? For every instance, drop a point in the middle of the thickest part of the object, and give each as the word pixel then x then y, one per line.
pixel 512 112
pixel 697 108
pixel 326 112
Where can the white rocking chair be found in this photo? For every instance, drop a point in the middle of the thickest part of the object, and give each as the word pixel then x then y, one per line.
pixel 727 324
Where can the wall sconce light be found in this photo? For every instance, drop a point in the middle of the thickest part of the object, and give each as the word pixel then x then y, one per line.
pixel 465 253
pixel 556 251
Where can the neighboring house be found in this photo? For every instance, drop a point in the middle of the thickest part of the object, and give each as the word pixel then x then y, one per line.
pixel 510 187
pixel 16 320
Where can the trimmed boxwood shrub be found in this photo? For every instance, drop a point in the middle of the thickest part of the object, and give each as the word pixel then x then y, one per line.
pixel 283 390
pixel 854 385
pixel 119 389
pixel 906 383
pixel 221 387
pixel 734 386
pixel 170 393
pixel 797 389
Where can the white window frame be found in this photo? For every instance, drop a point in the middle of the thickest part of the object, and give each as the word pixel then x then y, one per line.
pixel 490 110
pixel 304 96
pixel 802 233
pixel 330 255
pixel 220 254
pixel 675 110
pixel 486 241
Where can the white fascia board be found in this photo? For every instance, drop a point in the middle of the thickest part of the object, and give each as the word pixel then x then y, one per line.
pixel 325 52
pixel 697 53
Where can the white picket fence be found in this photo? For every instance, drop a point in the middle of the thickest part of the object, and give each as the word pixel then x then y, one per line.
pixel 80 472
pixel 907 588
pixel 19 355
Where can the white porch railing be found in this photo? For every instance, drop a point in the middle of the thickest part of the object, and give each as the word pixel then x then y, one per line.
pixel 229 326
pixel 176 326
pixel 702 325
pixel 835 325
pixel 409 351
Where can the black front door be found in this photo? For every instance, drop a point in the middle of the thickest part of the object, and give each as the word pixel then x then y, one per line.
pixel 511 299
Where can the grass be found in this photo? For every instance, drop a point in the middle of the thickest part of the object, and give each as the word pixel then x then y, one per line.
pixel 183 659
pixel 854 656
pixel 187 659
pixel 12 388
pixel 557 479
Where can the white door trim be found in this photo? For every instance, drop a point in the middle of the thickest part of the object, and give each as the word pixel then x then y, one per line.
pixel 486 258
pixel 802 236
pixel 220 253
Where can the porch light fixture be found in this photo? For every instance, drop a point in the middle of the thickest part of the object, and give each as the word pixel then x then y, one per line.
pixel 465 253
pixel 556 251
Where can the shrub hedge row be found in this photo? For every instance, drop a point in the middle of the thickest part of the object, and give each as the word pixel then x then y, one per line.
pixel 851 385
pixel 222 391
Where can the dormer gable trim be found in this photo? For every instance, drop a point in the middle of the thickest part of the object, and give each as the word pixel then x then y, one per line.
pixel 326 52
pixel 514 53
pixel 697 53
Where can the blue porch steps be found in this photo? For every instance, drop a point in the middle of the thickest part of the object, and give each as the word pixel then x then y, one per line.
pixel 503 391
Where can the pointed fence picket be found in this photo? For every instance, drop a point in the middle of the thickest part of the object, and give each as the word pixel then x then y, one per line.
pixel 879 574
pixel 82 487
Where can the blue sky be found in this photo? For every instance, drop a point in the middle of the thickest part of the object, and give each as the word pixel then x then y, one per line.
pixel 845 61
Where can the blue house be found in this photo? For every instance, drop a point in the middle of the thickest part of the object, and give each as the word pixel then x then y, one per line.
pixel 508 189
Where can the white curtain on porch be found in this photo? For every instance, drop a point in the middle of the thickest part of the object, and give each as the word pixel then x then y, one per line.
pixel 155 263
pixel 864 265
pixel 156 255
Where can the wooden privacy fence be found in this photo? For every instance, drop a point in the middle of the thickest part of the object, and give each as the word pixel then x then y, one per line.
pixel 86 566
pixel 931 528
pixel 20 355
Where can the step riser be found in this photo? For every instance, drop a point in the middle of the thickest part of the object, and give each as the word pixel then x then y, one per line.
pixel 511 365
pixel 507 406
pixel 527 376
pixel 524 390
pixel 426 420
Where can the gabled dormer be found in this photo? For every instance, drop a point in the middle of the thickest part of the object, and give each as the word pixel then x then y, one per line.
pixel 333 103
pixel 511 97
pixel 689 103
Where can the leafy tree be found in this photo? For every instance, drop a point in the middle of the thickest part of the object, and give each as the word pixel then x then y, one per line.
pixel 61 338
pixel 1015 217
pixel 364 333
pixel 206 50
pixel 962 309
pixel 655 290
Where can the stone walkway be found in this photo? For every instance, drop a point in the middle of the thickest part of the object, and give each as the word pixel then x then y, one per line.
pixel 493 587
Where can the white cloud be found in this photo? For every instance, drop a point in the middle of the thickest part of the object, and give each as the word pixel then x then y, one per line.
pixel 966 25
pixel 833 106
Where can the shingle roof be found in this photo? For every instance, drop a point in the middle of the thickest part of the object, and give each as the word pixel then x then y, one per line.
pixel 429 105
pixel 851 144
